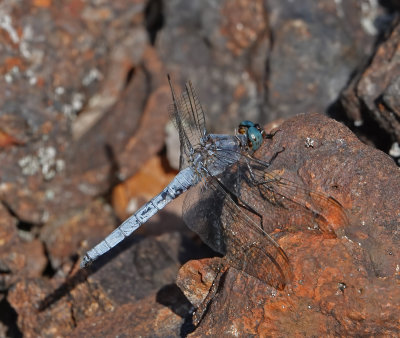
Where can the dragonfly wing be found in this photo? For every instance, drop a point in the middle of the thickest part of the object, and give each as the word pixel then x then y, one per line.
pixel 211 211
pixel 257 202
pixel 202 213
pixel 248 247
pixel 286 204
pixel 188 117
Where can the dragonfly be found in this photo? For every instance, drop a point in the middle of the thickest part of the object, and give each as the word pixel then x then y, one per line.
pixel 230 193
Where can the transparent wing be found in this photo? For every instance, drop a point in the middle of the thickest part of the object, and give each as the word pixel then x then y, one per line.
pixel 236 214
pixel 188 117
pixel 193 114
pixel 286 204
pixel 236 233
pixel 202 211
pixel 281 202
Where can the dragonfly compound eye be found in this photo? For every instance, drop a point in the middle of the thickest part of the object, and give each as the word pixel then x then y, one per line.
pixel 254 138
pixel 244 126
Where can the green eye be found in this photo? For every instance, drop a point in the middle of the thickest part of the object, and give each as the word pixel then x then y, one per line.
pixel 255 138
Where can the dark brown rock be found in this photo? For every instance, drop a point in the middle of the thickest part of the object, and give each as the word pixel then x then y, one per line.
pixel 84 106
pixel 373 93
pixel 222 48
pixel 48 114
pixel 139 277
pixel 75 233
pixel 19 258
pixel 76 78
pixel 316 47
pixel 341 285
pixel 131 135
pixel 262 60
pixel 24 296
pixel 60 317
pixel 145 318
pixel 142 266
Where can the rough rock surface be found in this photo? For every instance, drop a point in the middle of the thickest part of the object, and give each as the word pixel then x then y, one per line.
pixel 140 277
pixel 83 111
pixel 267 59
pixel 373 92
pixel 148 317
pixel 19 257
pixel 64 135
pixel 348 285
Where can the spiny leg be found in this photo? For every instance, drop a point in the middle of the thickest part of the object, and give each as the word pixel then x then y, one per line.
pixel 263 163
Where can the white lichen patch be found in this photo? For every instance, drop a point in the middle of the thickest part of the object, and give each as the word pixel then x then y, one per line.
pixel 76 104
pixel 44 162
pixel 6 24
pixel 93 75
pixel 29 165
pixel 12 74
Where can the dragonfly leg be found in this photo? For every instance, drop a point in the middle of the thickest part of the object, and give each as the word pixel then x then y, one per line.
pixel 271 135
pixel 239 202
pixel 263 183
pixel 276 155
pixel 266 164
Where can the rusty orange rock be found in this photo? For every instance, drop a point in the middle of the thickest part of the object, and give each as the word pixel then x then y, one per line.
pixel 345 284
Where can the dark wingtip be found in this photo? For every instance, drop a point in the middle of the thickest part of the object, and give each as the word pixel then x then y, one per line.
pixel 172 90
pixel 169 80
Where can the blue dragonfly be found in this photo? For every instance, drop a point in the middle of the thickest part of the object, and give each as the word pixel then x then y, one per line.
pixel 228 191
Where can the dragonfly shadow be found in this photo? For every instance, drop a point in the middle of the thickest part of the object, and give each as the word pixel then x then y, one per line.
pixel 173 298
pixel 202 216
pixel 81 275
pixel 164 222
pixel 191 249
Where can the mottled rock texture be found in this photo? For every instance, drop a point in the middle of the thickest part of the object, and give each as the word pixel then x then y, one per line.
pixel 83 114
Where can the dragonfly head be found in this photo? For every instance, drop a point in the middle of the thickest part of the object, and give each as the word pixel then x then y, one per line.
pixel 253 132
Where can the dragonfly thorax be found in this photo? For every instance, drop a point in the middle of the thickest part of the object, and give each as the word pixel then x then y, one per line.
pixel 215 153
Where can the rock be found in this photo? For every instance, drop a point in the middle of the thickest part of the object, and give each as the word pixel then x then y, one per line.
pixel 142 266
pixel 195 279
pixel 75 233
pixel 372 95
pixel 345 284
pixel 60 316
pixel 53 123
pixel 124 140
pixel 266 60
pixel 139 278
pixel 83 111
pixel 221 46
pixel 19 258
pixel 24 296
pixel 146 317
pixel 76 78
pixel 316 48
